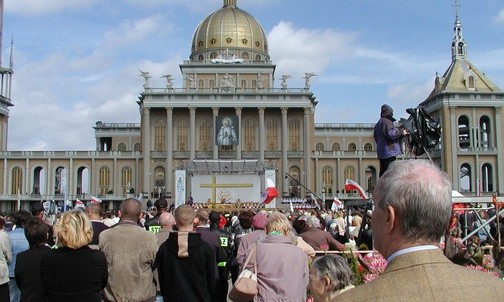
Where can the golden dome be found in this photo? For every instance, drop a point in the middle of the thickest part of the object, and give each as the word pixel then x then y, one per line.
pixel 229 29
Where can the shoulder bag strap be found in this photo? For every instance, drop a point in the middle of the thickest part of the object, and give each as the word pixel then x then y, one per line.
pixel 252 252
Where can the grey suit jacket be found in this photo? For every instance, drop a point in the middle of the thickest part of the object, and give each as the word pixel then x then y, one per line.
pixel 427 276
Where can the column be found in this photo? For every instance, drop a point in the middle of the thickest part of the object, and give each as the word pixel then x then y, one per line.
pixel 215 112
pixel 146 149
pixel 169 151
pixel 261 133
pixel 98 147
pixel 70 186
pixel 499 187
pixel 285 148
pixel 238 111
pixel 306 147
pixel 49 192
pixel 192 144
pixel 28 175
pixel 116 184
pixel 5 175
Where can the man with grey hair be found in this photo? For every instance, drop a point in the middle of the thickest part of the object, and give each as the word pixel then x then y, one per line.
pixel 412 210
pixel 320 239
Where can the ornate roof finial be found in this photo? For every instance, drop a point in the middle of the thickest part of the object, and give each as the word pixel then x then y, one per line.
pixel 459 47
pixel 231 3
pixel 457 6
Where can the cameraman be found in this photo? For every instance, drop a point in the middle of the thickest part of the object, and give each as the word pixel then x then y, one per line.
pixel 387 138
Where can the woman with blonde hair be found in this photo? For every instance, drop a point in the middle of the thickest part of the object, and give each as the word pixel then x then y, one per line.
pixel 73 271
pixel 282 267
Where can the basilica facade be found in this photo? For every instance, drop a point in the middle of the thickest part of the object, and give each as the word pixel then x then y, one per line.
pixel 231 127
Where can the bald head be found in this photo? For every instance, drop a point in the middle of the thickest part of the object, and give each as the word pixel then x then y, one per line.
pixel 184 216
pixel 130 209
pixel 94 210
pixel 166 220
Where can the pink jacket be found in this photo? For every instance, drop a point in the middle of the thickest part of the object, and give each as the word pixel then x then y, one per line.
pixel 282 270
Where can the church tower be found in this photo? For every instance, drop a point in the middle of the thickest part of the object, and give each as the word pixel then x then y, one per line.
pixel 470 109
pixel 5 89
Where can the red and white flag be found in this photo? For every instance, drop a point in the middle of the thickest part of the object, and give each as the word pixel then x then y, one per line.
pixel 352 185
pixel 270 193
pixel 95 200
pixel 79 204
pixel 337 204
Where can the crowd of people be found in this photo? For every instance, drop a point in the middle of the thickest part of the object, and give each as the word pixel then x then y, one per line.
pixel 193 254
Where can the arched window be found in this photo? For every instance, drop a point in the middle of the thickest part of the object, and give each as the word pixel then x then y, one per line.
pixel 257 58
pixel 200 58
pixel 336 147
pixel 465 178
pixel 368 147
pixel 213 55
pixel 243 84
pixel 352 147
pixel 294 135
pixel 245 56
pixel 485 132
pixel 464 133
pixel 249 135
pixel 60 181
pixel 327 179
pixel 487 178
pixel 349 172
pixel 126 179
pixel 201 84
pixel 271 135
pixel 319 147
pixel 38 177
pixel 294 183
pixel 254 84
pixel 137 147
pixel 182 135
pixel 211 83
pixel 104 181
pixel 121 147
pixel 82 180
pixel 160 136
pixel 17 181
pixel 204 135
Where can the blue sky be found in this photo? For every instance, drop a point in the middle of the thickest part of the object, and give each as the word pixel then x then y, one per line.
pixel 76 62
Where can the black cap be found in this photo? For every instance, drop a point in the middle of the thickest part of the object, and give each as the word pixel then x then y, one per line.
pixel 214 216
pixel 161 203
pixel 37 207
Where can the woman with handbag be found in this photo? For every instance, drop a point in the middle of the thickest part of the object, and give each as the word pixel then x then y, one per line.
pixel 282 267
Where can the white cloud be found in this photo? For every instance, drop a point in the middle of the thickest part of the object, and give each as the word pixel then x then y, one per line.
pixel 59 98
pixel 296 51
pixel 499 19
pixel 407 95
pixel 130 32
pixel 37 7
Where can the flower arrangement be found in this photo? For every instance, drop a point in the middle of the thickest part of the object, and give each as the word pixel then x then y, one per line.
pixel 376 265
pixel 366 268
pixel 487 266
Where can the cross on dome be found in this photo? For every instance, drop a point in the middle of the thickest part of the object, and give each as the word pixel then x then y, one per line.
pixel 231 3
